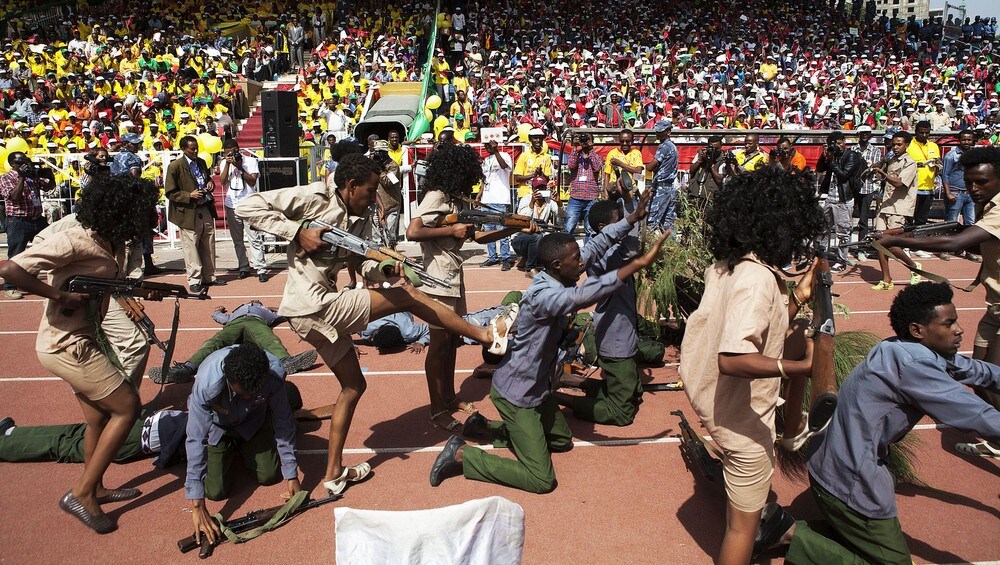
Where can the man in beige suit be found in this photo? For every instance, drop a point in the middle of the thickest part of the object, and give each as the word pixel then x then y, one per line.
pixel 191 208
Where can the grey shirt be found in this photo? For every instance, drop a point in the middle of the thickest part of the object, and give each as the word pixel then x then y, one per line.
pixel 615 316
pixel 255 309
pixel 880 401
pixel 214 409
pixel 524 375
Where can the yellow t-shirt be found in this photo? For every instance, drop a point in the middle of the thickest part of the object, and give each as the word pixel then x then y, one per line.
pixel 921 152
pixel 527 163
pixel 633 159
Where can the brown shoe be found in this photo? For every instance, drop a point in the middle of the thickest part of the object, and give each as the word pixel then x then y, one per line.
pixel 100 523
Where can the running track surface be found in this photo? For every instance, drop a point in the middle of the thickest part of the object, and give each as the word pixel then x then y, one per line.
pixel 624 494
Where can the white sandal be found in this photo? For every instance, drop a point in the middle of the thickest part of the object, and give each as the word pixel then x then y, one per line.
pixel 337 486
pixel 796 443
pixel 977 449
pixel 499 345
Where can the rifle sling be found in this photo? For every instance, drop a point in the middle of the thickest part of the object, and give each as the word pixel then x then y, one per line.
pixel 927 275
pixel 711 447
pixel 283 515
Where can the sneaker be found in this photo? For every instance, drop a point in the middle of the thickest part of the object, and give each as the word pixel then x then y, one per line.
pixel 914 277
pixel 507 264
pixel 298 363
pixel 973 257
pixel 262 277
pixel 195 289
pixel 180 373
pixel 882 285
pixel 862 257
pixel 838 267
pixel 13 294
pixel 944 256
pixel 490 263
pixel 922 254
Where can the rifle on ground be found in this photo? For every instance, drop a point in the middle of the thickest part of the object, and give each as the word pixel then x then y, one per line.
pixel 823 380
pixel 695 450
pixel 925 230
pixel 505 219
pixel 253 520
pixel 343 239
pixel 125 292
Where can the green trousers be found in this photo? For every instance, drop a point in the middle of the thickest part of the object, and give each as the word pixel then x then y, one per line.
pixel 241 330
pixel 63 444
pixel 846 537
pixel 259 453
pixel 613 400
pixel 531 433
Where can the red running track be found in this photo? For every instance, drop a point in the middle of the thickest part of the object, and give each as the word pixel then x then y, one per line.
pixel 624 494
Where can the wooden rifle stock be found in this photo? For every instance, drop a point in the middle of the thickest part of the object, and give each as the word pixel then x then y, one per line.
pixel 137 313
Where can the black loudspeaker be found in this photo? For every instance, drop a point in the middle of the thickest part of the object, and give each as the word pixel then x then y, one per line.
pixel 279 111
pixel 283 173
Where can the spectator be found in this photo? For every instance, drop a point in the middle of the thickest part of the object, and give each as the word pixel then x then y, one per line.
pixel 21 189
pixel 585 168
pixel 239 173
pixel 495 196
pixel 191 208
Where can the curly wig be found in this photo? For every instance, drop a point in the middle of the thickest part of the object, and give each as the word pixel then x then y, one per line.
pixel 770 212
pixel 453 169
pixel 118 207
pixel 916 305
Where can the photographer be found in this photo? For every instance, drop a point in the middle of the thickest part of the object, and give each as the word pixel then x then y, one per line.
pixel 239 174
pixel 585 166
pixel 98 162
pixel 22 188
pixel 389 198
pixel 785 157
pixel 707 169
pixel 843 168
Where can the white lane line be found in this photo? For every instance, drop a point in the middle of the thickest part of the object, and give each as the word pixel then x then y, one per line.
pixel 598 443
pixel 859 312
pixel 253 296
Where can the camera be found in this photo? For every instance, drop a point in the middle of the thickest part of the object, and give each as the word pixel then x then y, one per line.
pixel 779 153
pixel 27 167
pixel 832 147
pixel 729 159
pixel 712 154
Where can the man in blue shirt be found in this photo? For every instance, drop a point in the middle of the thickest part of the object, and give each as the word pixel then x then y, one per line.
pixel 238 406
pixel 953 180
pixel 902 379
pixel 532 424
pixel 663 211
pixel 126 162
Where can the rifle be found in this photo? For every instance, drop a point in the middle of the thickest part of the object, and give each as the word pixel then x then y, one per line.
pixel 346 240
pixel 505 219
pixel 253 520
pixel 696 450
pixel 823 386
pixel 125 292
pixel 925 230
pixel 569 350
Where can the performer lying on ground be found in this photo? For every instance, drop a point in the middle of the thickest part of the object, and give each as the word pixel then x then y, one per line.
pixel 326 316
pixel 734 348
pixel 982 180
pixel 248 323
pixel 113 213
pixel 916 373
pixel 159 433
pixel 532 425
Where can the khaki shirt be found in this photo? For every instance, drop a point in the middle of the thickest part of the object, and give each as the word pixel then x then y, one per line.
pixel 76 251
pixel 989 274
pixel 441 255
pixel 742 311
pixel 133 254
pixel 901 201
pixel 312 279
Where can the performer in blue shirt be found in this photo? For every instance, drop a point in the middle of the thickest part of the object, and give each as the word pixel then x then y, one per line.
pixel 902 379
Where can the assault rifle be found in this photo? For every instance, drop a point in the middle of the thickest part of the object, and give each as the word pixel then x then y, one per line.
pixel 346 240
pixel 253 520
pixel 125 292
pixel 505 219
pixel 823 380
pixel 696 450
pixel 925 230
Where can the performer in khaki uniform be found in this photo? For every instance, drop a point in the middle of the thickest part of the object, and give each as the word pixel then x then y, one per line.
pixel 735 348
pixel 191 208
pixel 113 213
pixel 326 316
pixel 898 204
pixel 452 171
